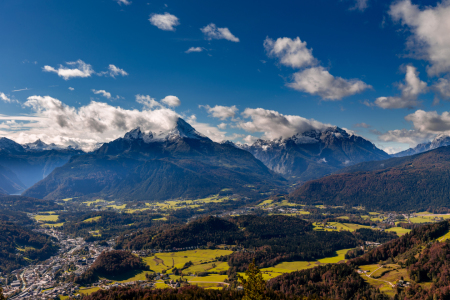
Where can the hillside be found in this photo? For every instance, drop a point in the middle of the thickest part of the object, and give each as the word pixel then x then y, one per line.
pixel 111 264
pixel 414 183
pixel 9 183
pixel 150 166
pixel 25 166
pixel 27 204
pixel 274 239
pixel 314 154
pixel 20 246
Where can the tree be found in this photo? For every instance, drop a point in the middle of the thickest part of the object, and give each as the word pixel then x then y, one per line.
pixel 254 286
pixel 2 297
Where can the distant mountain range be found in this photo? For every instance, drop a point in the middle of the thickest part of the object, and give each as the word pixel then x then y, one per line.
pixel 157 165
pixel 439 141
pixel 314 154
pixel 21 166
pixel 415 182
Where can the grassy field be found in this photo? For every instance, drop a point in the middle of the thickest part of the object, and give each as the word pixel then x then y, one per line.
pixel 117 206
pixel 89 203
pixel 339 226
pixel 90 220
pixel 444 237
pixel 44 218
pixel 399 230
pixel 89 290
pixel 52 225
pixel 202 260
pixel 288 267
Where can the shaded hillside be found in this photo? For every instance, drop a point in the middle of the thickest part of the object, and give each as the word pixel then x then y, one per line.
pixel 9 183
pixel 27 204
pixel 315 153
pixel 180 163
pixel 111 264
pixel 415 183
pixel 31 246
pixel 31 165
pixel 332 281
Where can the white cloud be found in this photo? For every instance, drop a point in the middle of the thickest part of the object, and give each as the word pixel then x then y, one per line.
pixel 126 2
pixel 103 93
pixel 148 101
pixel 410 91
pixel 71 88
pixel 210 131
pixel 291 53
pixel 222 126
pixel 410 137
pixel 20 90
pixel 318 81
pixel 81 69
pixel 274 124
pixel 172 101
pixel 430 27
pixel 113 71
pixel 362 125
pixel 442 87
pixel 250 139
pixel 360 5
pixel 221 112
pixel 164 21
pixel 212 32
pixel 430 121
pixel 194 49
pixel 392 150
pixel 4 97
pixel 54 122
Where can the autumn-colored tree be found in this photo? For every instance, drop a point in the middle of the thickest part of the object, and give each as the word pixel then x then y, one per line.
pixel 254 285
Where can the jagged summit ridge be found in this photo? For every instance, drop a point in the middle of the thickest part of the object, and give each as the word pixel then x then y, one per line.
pixel 181 130
pixel 441 140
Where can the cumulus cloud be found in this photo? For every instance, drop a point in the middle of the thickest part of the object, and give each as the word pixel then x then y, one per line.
pixel 164 21
pixel 113 71
pixel 210 131
pixel 318 81
pixel 222 126
pixel 212 32
pixel 274 124
pixel 55 122
pixel 221 112
pixel 291 52
pixel 147 101
pixel 4 97
pixel 430 27
pixel 194 49
pixel 172 101
pixel 103 93
pixel 411 137
pixel 360 5
pixel 79 69
pixel 411 89
pixel 71 88
pixel 126 2
pixel 427 124
pixel 442 88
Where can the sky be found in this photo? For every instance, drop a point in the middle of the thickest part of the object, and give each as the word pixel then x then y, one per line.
pixel 83 72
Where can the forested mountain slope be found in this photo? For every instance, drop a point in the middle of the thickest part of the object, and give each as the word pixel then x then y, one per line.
pixel 415 183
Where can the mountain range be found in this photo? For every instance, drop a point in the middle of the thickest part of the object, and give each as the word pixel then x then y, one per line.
pixel 439 141
pixel 416 182
pixel 314 154
pixel 158 165
pixel 21 166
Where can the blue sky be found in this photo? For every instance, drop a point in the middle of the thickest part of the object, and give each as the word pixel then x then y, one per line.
pixel 347 55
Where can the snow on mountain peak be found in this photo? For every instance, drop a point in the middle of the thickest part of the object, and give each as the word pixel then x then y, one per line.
pixel 181 130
